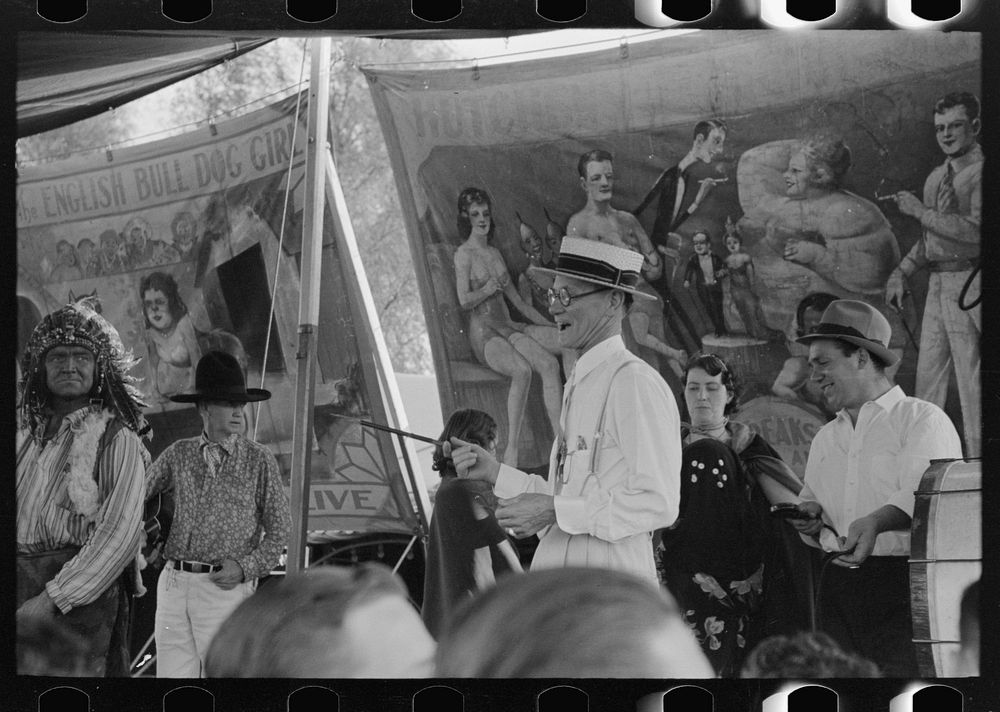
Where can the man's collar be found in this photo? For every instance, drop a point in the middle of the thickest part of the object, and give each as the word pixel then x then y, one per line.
pixel 890 398
pixel 973 155
pixel 886 401
pixel 73 417
pixel 596 355
pixel 227 443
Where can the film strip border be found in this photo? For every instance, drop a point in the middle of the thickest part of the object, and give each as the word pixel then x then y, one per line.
pixel 416 15
pixel 480 696
pixel 424 18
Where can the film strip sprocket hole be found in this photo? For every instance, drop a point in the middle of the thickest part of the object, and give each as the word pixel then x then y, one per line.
pixel 461 696
pixel 904 14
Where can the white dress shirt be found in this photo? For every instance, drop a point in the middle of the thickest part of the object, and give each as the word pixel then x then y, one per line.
pixel 854 469
pixel 621 479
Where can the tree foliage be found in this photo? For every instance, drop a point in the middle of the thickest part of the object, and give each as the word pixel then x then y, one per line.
pixel 91 134
pixel 360 154
pixel 363 163
pixel 268 74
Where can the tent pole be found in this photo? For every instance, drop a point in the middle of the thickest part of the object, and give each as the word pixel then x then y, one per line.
pixel 392 399
pixel 312 242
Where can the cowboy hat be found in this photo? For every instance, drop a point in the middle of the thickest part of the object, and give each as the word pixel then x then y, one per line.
pixel 219 377
pixel 856 323
pixel 601 263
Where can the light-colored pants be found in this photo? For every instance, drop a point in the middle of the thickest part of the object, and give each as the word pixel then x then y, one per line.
pixel 189 610
pixel 949 337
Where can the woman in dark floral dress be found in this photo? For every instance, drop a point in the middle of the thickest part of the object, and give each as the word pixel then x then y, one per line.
pixel 725 559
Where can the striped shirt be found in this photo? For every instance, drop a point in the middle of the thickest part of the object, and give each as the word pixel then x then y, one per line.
pixel 239 511
pixel 47 519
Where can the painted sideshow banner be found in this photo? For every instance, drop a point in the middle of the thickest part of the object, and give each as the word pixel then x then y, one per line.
pixel 181 242
pixel 756 163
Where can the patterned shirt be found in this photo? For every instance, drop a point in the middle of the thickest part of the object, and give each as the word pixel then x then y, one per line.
pixel 239 512
pixel 47 519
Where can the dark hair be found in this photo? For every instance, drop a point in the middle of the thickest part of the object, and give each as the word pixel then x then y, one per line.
pixel 597 154
pixel 805 655
pixel 293 627
pixel 959 98
pixel 714 365
pixel 469 424
pixel 602 623
pixel 817 301
pixel 828 159
pixel 703 231
pixel 466 198
pixel 162 282
pixel 704 128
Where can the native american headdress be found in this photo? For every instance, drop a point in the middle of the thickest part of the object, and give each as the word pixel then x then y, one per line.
pixel 79 323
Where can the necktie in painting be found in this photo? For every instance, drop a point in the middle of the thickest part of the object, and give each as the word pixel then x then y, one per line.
pixel 947 201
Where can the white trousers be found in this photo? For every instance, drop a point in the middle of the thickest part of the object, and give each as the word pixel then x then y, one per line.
pixel 949 340
pixel 189 610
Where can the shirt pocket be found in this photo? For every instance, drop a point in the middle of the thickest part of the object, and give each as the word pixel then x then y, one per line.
pixel 899 472
pixel 890 474
pixel 603 471
pixel 240 495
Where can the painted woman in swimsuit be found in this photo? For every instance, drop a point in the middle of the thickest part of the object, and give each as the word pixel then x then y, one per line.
pixel 499 342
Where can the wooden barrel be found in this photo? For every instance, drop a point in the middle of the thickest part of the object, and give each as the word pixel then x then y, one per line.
pixel 945 557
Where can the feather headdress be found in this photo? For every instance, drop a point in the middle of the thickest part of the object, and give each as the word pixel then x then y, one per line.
pixel 80 324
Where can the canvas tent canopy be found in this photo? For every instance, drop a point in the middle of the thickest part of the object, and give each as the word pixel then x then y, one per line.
pixel 64 77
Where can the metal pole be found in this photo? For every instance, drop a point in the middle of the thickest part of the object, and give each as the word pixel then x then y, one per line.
pixel 312 243
pixel 393 401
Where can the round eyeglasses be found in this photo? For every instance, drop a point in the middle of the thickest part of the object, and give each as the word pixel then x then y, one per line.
pixel 565 298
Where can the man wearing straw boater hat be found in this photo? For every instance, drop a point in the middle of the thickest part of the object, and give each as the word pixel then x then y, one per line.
pixel 862 471
pixel 79 473
pixel 231 517
pixel 614 472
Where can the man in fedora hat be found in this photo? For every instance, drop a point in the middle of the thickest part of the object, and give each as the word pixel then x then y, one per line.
pixel 862 471
pixel 614 472
pixel 79 474
pixel 231 517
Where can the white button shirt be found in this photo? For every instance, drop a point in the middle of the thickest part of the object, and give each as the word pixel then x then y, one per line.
pixel 854 469
pixel 621 481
